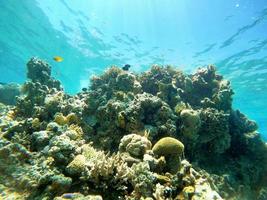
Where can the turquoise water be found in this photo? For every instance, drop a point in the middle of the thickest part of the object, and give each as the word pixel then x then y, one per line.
pixel 92 35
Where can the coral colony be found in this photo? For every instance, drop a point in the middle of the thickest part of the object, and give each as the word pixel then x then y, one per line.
pixel 157 135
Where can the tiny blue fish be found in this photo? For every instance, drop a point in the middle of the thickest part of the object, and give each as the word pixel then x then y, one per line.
pixel 68 196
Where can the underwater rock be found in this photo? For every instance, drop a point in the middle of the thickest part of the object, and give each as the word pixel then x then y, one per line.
pixel 262 194
pixel 241 124
pixel 143 180
pixel 61 148
pixel 179 107
pixel 158 74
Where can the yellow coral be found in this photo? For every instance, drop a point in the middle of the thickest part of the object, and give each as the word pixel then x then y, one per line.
pixel 77 129
pixel 35 123
pixel 88 151
pixel 72 118
pixel 121 120
pixel 187 193
pixel 162 179
pixel 77 165
pixel 60 119
pixel 11 114
pixel 146 133
pixel 189 190
pixel 179 107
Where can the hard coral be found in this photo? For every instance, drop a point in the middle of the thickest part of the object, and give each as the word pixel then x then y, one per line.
pixel 172 149
pixel 135 145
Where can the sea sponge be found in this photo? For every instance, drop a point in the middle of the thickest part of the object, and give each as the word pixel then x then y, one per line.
pixel 172 149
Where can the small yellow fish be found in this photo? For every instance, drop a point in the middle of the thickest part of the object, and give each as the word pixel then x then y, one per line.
pixel 58 59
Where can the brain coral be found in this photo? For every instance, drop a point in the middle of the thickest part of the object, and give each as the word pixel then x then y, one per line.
pixel 172 149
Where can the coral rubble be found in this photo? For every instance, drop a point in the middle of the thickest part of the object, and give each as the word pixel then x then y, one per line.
pixel 157 135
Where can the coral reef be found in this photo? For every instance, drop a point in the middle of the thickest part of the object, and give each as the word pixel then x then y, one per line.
pixel 157 135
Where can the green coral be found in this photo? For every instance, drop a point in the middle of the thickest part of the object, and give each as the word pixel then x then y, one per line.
pixel 172 149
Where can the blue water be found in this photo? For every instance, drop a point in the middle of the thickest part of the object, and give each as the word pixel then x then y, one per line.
pixel 91 35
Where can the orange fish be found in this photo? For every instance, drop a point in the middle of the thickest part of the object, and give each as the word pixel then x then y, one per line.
pixel 58 59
